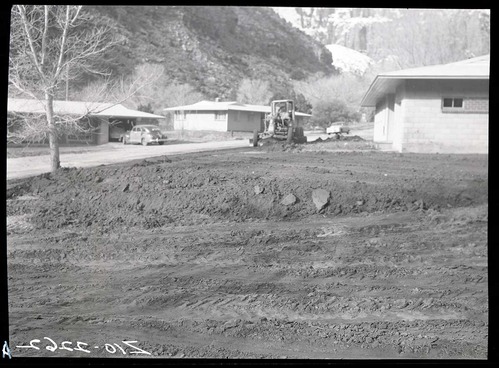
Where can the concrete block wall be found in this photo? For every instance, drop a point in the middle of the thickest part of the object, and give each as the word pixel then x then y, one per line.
pixel 477 104
pixel 429 129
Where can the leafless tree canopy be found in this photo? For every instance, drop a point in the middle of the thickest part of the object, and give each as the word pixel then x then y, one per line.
pixel 254 91
pixel 50 44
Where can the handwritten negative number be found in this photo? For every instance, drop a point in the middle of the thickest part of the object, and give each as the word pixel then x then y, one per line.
pixel 51 348
pixel 31 345
pixel 64 347
pixel 80 346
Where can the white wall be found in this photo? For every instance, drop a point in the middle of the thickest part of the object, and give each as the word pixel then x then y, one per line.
pixel 428 129
pixel 379 118
pixel 200 120
pixel 399 121
pixel 384 120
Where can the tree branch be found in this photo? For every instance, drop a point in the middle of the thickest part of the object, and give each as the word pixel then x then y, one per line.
pixel 25 23
pixel 58 68
pixel 44 36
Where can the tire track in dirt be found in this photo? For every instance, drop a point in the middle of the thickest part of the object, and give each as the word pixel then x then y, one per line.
pixel 400 275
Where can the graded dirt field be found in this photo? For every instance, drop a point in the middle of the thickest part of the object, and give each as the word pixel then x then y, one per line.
pixel 270 252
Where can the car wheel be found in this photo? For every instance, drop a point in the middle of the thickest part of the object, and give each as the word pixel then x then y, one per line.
pixel 144 142
pixel 161 143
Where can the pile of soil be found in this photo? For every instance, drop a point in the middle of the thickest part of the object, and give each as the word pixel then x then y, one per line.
pixel 158 192
pixel 339 137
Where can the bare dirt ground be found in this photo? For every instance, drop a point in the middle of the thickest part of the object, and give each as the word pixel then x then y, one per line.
pixel 207 255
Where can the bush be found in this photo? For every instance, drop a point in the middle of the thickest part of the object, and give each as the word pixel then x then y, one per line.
pixel 326 112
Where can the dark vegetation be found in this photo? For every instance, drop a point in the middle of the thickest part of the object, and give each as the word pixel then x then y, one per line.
pixel 212 48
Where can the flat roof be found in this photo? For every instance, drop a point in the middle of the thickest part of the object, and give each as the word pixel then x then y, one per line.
pixel 475 68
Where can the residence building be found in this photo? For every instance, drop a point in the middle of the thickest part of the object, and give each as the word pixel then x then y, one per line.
pixel 433 109
pixel 99 122
pixel 223 116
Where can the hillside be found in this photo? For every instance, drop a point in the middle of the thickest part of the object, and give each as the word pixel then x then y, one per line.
pixel 349 60
pixel 213 48
pixel 412 37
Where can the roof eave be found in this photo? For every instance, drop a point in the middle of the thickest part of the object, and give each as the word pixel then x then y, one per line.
pixel 433 76
pixel 365 100
pixel 127 116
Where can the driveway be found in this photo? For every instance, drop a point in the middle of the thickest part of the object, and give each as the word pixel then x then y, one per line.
pixel 113 153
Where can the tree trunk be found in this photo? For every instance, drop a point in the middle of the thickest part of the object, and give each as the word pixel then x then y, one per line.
pixel 55 162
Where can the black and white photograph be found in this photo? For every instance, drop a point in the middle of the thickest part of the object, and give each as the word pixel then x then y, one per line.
pixel 278 183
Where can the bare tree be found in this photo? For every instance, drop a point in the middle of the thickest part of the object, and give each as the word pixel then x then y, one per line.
pixel 343 87
pixel 139 88
pixel 48 45
pixel 153 93
pixel 180 94
pixel 254 91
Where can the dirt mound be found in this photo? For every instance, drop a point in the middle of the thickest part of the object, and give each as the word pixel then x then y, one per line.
pixel 156 192
pixel 341 137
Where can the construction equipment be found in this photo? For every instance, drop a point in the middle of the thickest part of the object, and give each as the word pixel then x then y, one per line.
pixel 281 124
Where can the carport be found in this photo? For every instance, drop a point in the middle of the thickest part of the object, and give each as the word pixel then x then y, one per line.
pixel 102 122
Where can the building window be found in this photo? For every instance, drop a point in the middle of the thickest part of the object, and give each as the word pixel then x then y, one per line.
pixel 465 105
pixel 453 102
pixel 180 115
pixel 220 115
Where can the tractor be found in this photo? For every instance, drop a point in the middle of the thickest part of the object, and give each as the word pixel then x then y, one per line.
pixel 280 124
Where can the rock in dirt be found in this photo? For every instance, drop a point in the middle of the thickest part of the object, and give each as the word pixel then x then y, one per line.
pixel 231 324
pixel 289 200
pixel 258 189
pixel 320 198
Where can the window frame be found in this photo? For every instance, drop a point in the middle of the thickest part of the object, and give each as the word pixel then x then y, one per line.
pixel 180 115
pixel 453 100
pixel 220 115
pixel 464 105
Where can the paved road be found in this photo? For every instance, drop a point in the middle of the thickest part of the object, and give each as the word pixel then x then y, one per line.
pixel 113 153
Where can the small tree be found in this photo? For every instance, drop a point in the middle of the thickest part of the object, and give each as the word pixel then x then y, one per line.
pixel 177 95
pixel 327 112
pixel 301 103
pixel 48 45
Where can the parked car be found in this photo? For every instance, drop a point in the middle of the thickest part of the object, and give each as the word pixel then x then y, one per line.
pixel 338 129
pixel 144 134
